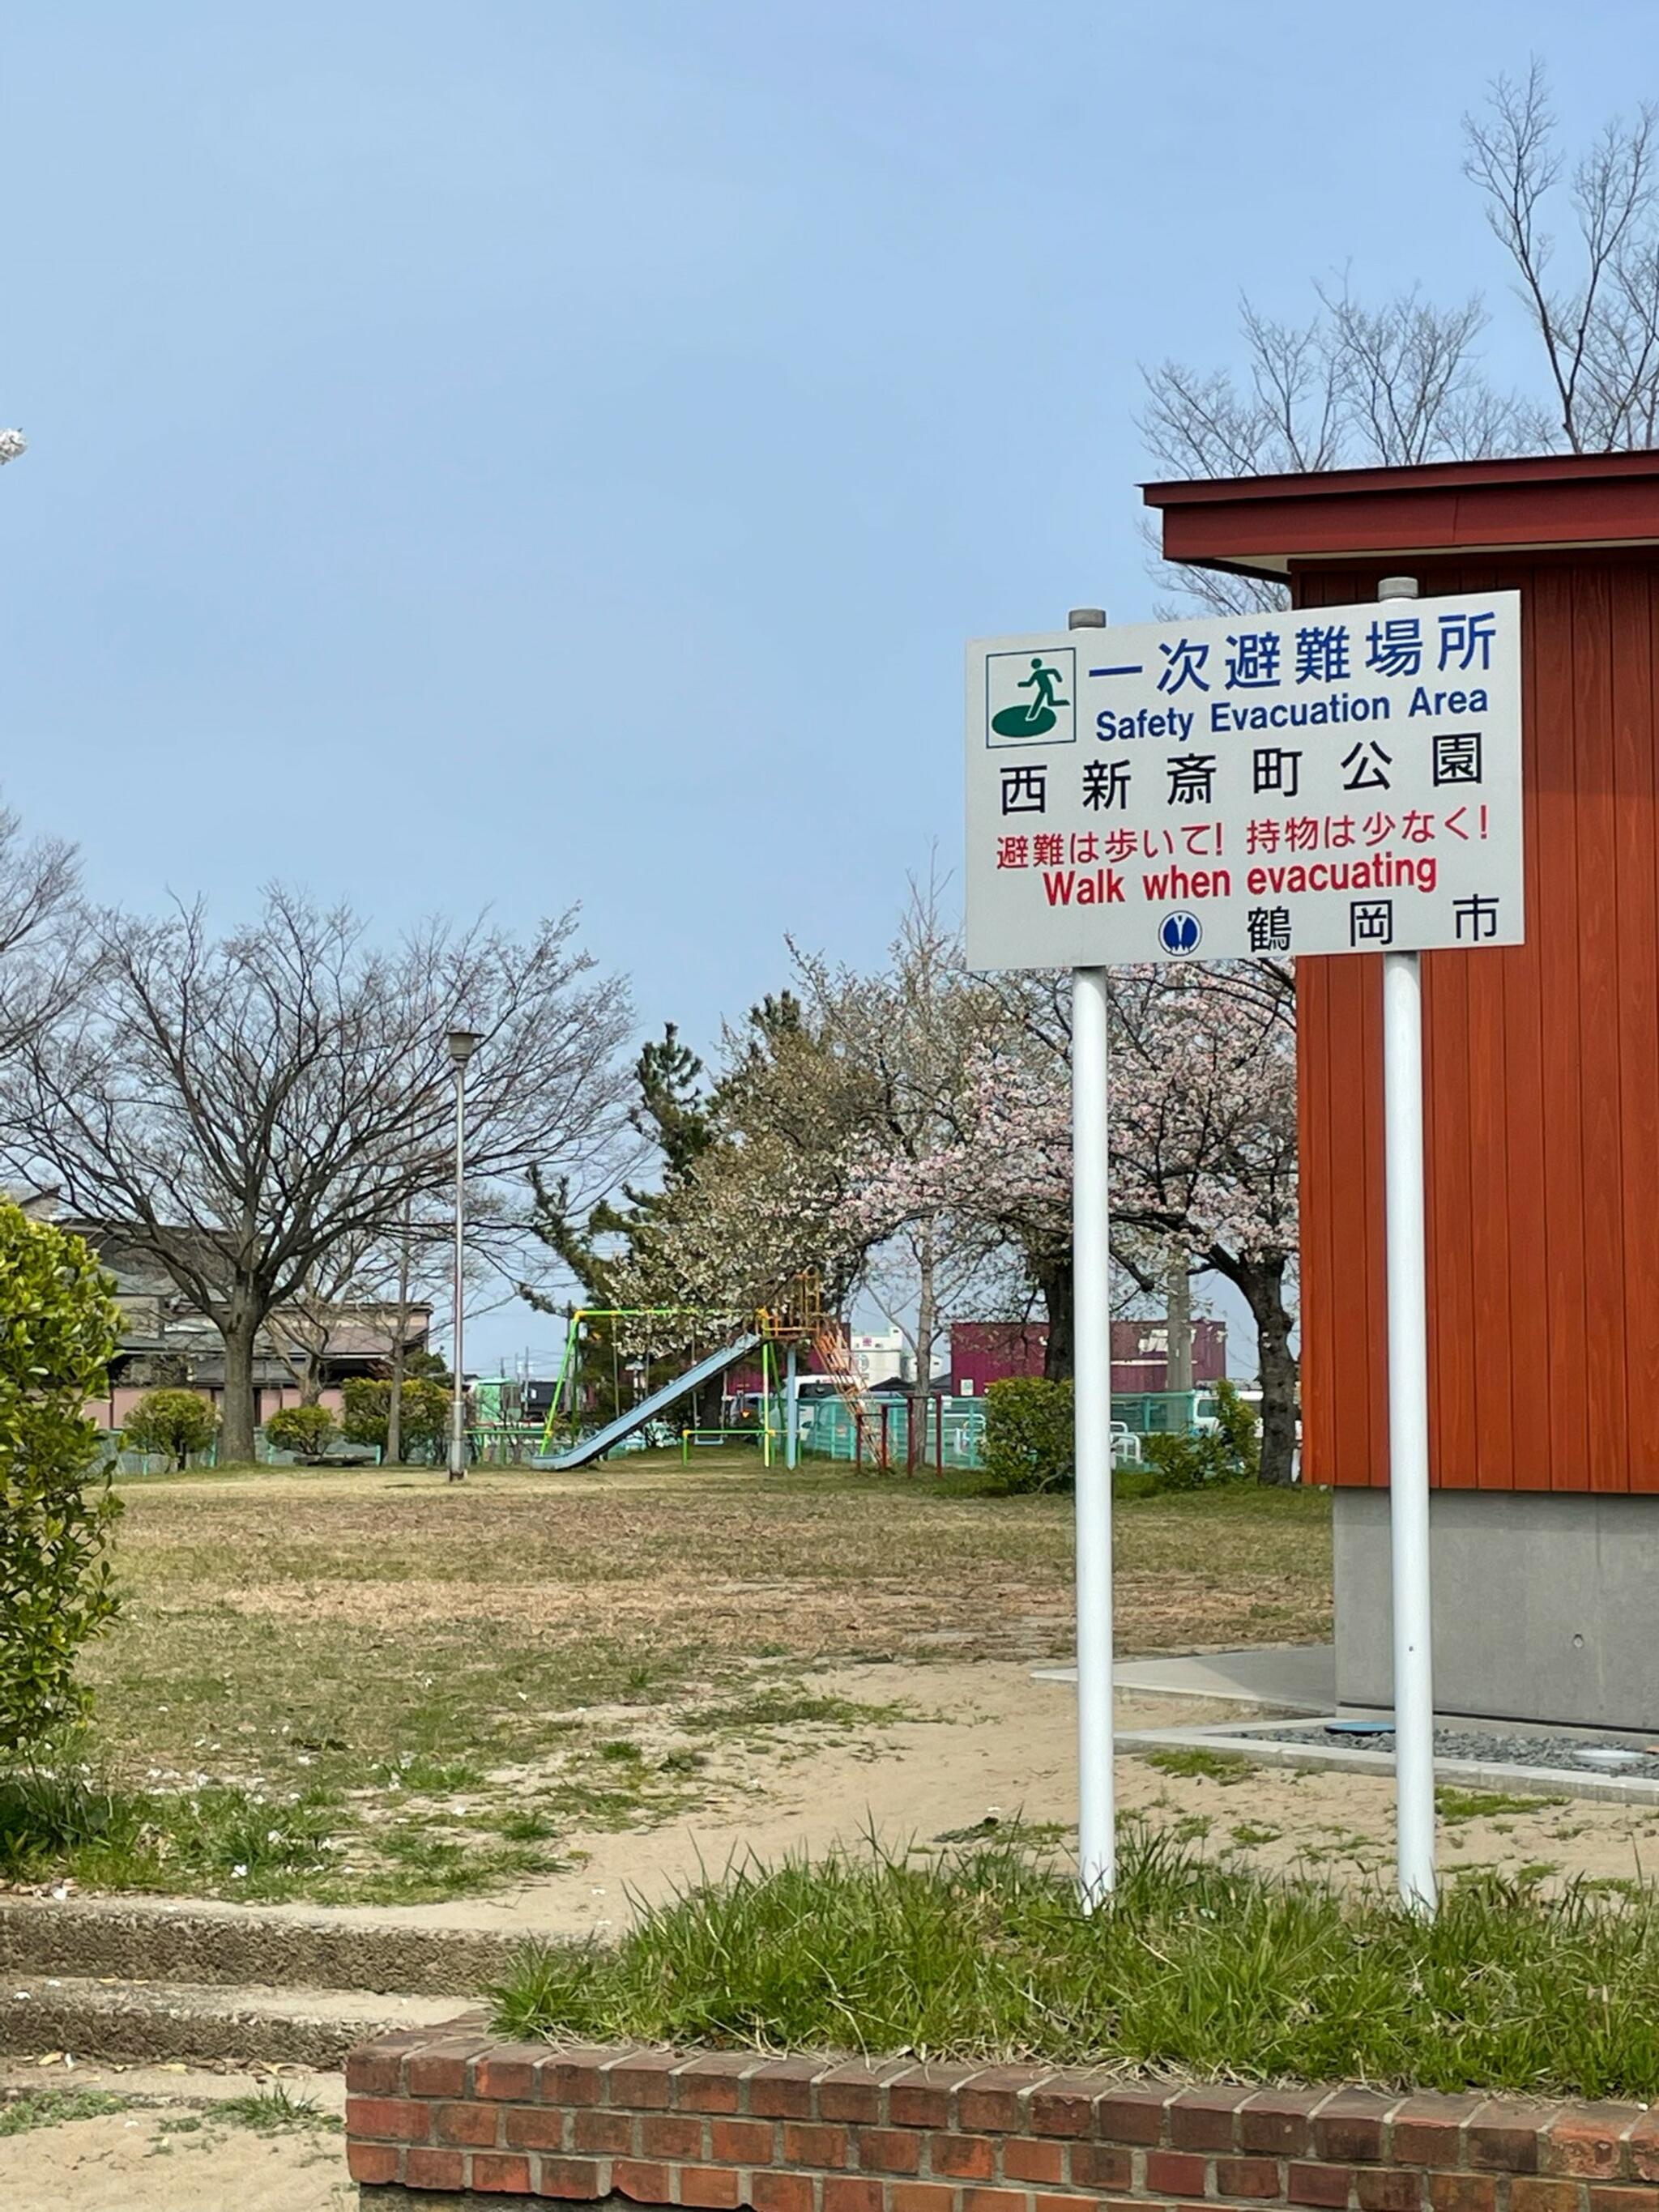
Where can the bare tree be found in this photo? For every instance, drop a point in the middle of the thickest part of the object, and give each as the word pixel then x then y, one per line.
pixel 394 1404
pixel 303 1331
pixel 1601 328
pixel 1411 385
pixel 364 1275
pixel 1403 382
pixel 1287 415
pixel 1353 386
pixel 248 1107
pixel 40 957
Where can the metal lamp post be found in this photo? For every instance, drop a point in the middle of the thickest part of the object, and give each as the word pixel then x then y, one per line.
pixel 462 1043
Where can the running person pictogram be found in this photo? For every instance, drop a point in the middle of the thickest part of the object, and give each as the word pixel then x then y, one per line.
pixel 1037 713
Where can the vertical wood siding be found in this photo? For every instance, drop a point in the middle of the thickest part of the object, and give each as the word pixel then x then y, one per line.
pixel 1541 1075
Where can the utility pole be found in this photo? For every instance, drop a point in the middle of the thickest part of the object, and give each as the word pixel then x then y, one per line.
pixel 462 1043
pixel 394 1412
pixel 1178 1324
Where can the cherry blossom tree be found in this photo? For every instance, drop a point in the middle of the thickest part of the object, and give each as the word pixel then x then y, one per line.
pixel 1203 1126
pixel 825 1092
pixel 767 1190
pixel 1204 1148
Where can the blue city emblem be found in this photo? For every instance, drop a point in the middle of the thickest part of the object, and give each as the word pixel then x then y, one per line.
pixel 1179 934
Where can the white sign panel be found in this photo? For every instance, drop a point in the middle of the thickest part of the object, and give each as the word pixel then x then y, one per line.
pixel 1330 780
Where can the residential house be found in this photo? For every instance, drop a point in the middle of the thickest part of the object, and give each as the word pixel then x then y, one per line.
pixel 166 1341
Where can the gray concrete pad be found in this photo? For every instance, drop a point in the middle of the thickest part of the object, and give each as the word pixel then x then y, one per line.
pixel 1294 1677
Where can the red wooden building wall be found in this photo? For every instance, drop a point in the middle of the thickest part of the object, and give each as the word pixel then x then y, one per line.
pixel 1541 1074
pixel 1541 1061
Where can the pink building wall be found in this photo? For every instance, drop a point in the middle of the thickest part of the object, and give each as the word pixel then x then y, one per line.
pixel 111 1411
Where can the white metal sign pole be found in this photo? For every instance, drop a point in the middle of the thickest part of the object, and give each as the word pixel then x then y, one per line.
pixel 1326 780
pixel 1092 1325
pixel 1408 1410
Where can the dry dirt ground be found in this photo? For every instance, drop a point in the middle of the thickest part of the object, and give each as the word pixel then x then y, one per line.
pixel 532 1705
pixel 372 1689
pixel 516 1702
pixel 987 1745
pixel 168 2142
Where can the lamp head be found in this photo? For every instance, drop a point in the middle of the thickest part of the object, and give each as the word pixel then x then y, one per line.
pixel 462 1043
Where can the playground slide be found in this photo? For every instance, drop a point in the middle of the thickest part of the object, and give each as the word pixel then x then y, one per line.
pixel 593 1447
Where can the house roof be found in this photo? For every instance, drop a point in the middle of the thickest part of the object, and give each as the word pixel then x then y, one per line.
pixel 370 1332
pixel 1271 526
pixel 358 1329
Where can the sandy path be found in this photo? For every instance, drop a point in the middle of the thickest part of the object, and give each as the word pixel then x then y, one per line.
pixel 997 1744
pixel 172 2155
pixel 131 2165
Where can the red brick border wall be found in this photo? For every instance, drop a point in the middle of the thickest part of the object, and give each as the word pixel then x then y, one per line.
pixel 728 2128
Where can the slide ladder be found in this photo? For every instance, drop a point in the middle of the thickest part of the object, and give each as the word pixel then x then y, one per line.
pixel 831 1346
pixel 602 1440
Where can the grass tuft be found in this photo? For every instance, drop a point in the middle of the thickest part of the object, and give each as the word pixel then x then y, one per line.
pixel 419 1774
pixel 789 1707
pixel 50 2108
pixel 1199 1966
pixel 130 1839
pixel 1222 1766
pixel 1452 1803
pixel 273 2109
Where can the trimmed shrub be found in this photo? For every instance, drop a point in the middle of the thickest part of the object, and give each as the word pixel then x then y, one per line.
pixel 1029 1446
pixel 58 1329
pixel 173 1423
pixel 1230 1452
pixel 306 1430
pixel 425 1413
pixel 1028 1435
pixel 1190 1462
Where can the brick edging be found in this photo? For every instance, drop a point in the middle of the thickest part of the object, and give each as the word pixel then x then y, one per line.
pixel 722 2130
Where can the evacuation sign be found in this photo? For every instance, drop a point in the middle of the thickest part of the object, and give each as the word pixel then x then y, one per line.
pixel 1330 780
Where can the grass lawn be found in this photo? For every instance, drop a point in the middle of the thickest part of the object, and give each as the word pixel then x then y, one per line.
pixel 372 1686
pixel 1199 1968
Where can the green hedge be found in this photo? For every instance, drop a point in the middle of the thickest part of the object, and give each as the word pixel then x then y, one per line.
pixel 57 1330
pixel 1029 1444
pixel 306 1430
pixel 172 1422
pixel 1230 1452
pixel 425 1408
pixel 1029 1436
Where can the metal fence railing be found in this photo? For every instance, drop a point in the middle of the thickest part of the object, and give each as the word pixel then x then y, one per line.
pixel 948 1432
pixel 876 1431
pixel 1165 1412
pixel 265 1454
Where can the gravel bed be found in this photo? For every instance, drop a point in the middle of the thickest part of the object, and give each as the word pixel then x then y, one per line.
pixel 1565 1753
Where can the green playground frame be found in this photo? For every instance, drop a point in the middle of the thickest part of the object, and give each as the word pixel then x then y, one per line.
pixel 564 1388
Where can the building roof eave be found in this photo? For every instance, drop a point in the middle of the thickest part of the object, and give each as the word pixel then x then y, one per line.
pixel 1270 526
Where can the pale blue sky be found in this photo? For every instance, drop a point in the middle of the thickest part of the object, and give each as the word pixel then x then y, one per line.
pixel 530 453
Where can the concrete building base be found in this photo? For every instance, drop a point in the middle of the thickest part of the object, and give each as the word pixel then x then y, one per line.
pixel 1546 1605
